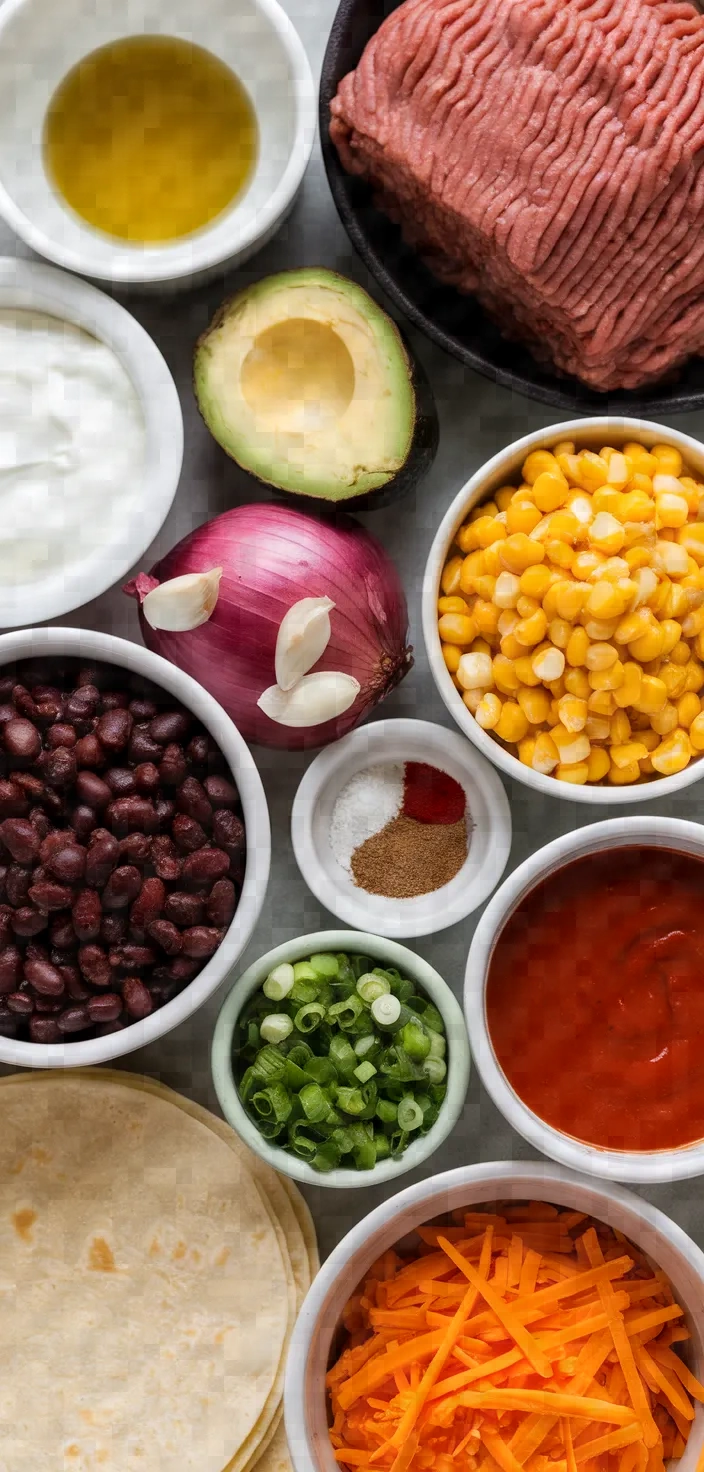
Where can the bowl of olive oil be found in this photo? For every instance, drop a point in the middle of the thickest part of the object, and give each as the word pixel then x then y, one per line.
pixel 150 153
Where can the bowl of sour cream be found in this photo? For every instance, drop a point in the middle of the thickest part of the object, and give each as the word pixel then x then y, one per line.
pixel 91 442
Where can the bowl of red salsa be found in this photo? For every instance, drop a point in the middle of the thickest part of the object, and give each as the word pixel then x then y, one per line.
pixel 584 999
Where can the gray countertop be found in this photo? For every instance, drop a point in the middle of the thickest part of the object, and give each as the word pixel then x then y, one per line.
pixel 476 419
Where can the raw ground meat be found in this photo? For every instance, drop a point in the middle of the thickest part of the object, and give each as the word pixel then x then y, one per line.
pixel 548 156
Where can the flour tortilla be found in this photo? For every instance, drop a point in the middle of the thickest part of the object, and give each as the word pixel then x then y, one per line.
pixel 143 1293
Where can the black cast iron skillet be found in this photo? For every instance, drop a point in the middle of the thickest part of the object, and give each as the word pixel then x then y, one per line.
pixel 458 323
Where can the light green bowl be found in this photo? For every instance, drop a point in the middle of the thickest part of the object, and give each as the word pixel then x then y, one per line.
pixel 385 953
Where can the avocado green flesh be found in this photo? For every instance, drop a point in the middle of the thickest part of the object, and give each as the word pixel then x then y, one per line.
pixel 305 382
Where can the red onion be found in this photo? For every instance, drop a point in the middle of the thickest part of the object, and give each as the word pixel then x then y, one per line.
pixel 271 557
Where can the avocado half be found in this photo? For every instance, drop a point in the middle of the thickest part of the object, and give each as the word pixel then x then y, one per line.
pixel 308 385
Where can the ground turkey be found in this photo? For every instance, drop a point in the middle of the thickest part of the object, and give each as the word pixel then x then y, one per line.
pixel 547 155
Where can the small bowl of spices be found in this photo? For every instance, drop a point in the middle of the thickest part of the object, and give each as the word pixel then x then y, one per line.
pixel 401 828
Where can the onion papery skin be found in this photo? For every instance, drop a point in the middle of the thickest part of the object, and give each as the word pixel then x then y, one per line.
pixel 271 556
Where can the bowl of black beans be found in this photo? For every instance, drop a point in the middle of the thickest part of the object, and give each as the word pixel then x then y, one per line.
pixel 134 847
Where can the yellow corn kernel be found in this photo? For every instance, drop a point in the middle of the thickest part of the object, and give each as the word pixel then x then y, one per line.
pixel 600 656
pixel 608 679
pixel 486 617
pixel 557 687
pixel 512 724
pixel 671 510
pixel 485 586
pixel 599 630
pixel 587 563
pixel 559 554
pixel 676 602
pixel 510 646
pixel 545 755
pixel 560 632
pixel 506 590
pixel 451 654
pixel 481 646
pixel 519 552
pixel 504 497
pixel 457 628
pixel 535 581
pixel 450 580
pixel 644 461
pixel 620 728
pixel 607 498
pixel 592 470
pixel 633 625
pixel 526 748
pixel 575 772
pixel 487 530
pixel 648 646
pixel 637 558
pixel 572 713
pixel 606 533
pixel 572 746
pixel 522 516
pixel 475 671
pixel 473 567
pixel 664 721
pixel 693 623
pixel 606 601
pixel 598 764
pixel 505 676
pixel 695 675
pixel 620 469
pixel 488 711
pixel 670 558
pixel 640 482
pixel 636 506
pixel 576 683
pixel 615 570
pixel 467 539
pixel 471 698
pixel 688 708
pixel 492 564
pixel 487 508
pixel 576 651
pixel 535 703
pixel 539 462
pixel 601 703
pixel 671 632
pixel 628 693
pixel 598 728
pixel 548 663
pixel 649 737
pixel 623 776
pixel 525 673
pixel 693 492
pixel 569 598
pixel 564 526
pixel 668 458
pixel 628 753
pixel 550 600
pixel 526 606
pixel 564 447
pixel 673 754
pixel 550 490
pixel 674 678
pixel 691 537
pixel 652 697
pixel 696 732
pixel 453 604
pixel 681 653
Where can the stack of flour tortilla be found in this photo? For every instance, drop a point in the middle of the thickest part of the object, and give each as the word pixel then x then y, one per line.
pixel 151 1269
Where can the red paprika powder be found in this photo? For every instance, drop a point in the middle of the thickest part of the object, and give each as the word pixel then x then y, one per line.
pixel 431 796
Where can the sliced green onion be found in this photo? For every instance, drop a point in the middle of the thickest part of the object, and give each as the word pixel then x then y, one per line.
pixel 345 1013
pixel 370 987
pixel 252 1034
pixel 299 1053
pixel 360 964
pixel 435 1069
pixel 398 1142
pixel 248 1084
pixel 386 1010
pixel 273 1103
pixel 403 989
pixel 416 1041
pixel 314 1102
pixel 303 971
pixel 366 1045
pixel 386 1111
pixel 301 1143
pixel 410 1114
pixel 365 1156
pixel 309 1017
pixel 343 1055
pixel 351 1101
pixel 279 982
pixel 320 1071
pixel 369 1096
pixel 325 964
pixel 268 1128
pixel 327 1156
pixel 344 1139
pixel 269 1064
pixel 304 991
pixel 382 1147
pixel 432 1018
pixel 276 1027
pixel 438 1045
pixel 294 1077
pixel 364 1072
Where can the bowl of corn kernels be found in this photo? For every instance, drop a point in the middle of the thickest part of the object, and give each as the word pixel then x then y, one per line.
pixel 563 610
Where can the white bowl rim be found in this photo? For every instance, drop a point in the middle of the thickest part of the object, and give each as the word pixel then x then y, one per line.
pixel 89 645
pixel 590 793
pixel 195 254
pixel 636 1167
pixel 366 944
pixel 58 294
pixel 540 1177
pixel 440 741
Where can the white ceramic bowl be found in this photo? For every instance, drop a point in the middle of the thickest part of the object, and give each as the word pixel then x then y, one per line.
pixel 642 1167
pixel 82 643
pixel 30 286
pixel 501 470
pixel 39 43
pixel 398 741
pixel 386 953
pixel 470 1186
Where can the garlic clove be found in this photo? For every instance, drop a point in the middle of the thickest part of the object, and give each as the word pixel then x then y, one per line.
pixel 183 603
pixel 304 634
pixel 313 700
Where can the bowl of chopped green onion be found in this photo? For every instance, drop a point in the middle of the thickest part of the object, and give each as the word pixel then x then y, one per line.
pixel 339 1056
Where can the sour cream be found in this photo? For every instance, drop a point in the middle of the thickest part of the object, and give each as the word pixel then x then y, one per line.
pixel 72 447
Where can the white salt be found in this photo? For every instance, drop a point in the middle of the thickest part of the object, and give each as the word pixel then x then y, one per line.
pixel 364 806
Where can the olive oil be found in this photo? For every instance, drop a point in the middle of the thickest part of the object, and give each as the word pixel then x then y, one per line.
pixel 150 138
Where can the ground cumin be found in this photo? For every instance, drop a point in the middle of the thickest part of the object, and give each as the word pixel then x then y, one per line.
pixel 408 858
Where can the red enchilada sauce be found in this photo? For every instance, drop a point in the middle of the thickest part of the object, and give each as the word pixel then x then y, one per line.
pixel 595 999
